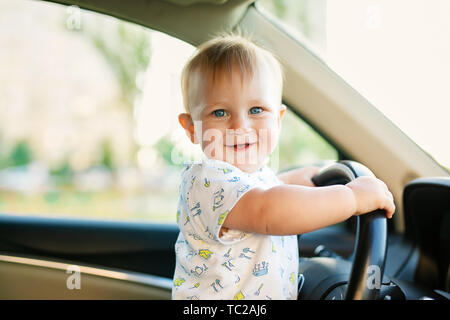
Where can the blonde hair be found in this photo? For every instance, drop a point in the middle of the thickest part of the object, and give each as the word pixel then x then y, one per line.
pixel 220 55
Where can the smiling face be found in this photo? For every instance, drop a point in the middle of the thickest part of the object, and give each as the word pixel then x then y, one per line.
pixel 238 118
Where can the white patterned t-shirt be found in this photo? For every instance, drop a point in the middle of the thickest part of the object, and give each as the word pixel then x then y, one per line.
pixel 238 265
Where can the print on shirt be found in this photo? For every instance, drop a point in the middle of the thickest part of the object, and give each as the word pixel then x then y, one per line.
pixel 246 253
pixel 179 281
pixel 257 292
pixel 242 190
pixel 241 265
pixel 210 234
pixel 261 269
pixel 225 170
pixel 218 199
pixel 235 179
pixel 196 209
pixel 199 270
pixel 227 254
pixel 239 296
pixel 216 285
pixel 195 286
pixel 229 264
pixel 205 253
pixel 222 217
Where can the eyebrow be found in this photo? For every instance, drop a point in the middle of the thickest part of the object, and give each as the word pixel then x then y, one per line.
pixel 258 101
pixel 216 104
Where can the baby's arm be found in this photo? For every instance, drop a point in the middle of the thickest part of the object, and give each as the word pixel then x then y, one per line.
pixel 292 209
pixel 300 176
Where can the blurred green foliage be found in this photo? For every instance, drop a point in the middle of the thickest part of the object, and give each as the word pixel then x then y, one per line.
pixel 62 175
pixel 127 49
pixel 164 148
pixel 292 12
pixel 301 145
pixel 20 154
pixel 107 156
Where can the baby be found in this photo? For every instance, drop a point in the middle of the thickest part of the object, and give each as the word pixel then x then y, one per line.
pixel 238 220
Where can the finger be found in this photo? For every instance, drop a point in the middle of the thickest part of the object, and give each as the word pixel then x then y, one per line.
pixel 390 211
pixel 389 195
pixel 384 185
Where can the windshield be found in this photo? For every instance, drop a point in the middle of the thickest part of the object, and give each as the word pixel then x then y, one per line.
pixel 395 53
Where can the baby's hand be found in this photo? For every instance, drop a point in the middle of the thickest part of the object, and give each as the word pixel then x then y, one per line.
pixel 371 194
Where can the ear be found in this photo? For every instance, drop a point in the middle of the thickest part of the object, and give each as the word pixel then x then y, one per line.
pixel 282 112
pixel 186 122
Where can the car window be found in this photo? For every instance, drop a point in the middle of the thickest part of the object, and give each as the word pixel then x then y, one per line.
pixel 300 145
pixel 304 19
pixel 395 53
pixel 88 124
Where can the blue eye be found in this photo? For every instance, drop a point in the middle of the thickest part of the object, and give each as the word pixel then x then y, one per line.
pixel 255 110
pixel 219 113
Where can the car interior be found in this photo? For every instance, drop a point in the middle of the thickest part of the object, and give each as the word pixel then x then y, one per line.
pixel 129 260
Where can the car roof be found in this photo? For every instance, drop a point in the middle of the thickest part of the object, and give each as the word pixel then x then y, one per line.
pixel 193 21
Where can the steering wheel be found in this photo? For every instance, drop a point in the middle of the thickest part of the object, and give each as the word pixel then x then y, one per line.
pixel 370 244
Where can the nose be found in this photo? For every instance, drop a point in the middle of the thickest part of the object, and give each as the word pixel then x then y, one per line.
pixel 240 123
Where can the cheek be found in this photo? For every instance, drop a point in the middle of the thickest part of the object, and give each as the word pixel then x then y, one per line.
pixel 211 137
pixel 268 139
pixel 268 134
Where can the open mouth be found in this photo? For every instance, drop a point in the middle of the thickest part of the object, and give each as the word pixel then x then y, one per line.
pixel 240 147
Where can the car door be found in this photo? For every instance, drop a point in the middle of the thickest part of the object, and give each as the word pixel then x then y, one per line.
pixel 88 196
pixel 69 258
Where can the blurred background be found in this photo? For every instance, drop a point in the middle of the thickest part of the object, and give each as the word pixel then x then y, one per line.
pixel 89 104
pixel 88 116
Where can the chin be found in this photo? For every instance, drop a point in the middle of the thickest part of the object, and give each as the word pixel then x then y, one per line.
pixel 249 168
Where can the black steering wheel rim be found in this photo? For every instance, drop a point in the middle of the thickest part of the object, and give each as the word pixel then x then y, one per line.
pixel 371 236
